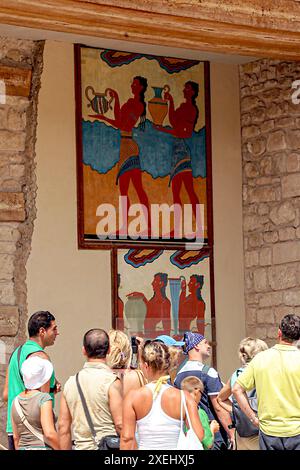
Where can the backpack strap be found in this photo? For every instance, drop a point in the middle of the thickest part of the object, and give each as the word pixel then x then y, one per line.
pixel 205 369
pixel 24 420
pixel 86 411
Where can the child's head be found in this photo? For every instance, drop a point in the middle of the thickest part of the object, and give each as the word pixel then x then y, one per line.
pixel 194 386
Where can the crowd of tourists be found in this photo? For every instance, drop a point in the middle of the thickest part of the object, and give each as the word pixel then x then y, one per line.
pixel 158 394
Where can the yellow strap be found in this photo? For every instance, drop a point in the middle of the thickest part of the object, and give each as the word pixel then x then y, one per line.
pixel 162 380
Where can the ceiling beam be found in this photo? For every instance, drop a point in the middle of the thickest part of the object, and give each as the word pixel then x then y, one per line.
pixel 258 28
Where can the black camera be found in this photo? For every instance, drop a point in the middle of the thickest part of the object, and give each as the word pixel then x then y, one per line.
pixel 135 348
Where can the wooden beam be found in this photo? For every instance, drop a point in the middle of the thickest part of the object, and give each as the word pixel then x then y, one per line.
pixel 259 28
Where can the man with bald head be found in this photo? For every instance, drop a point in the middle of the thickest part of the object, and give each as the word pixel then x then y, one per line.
pixel 103 394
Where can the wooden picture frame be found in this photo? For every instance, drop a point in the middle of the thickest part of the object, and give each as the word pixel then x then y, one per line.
pixel 145 157
pixel 138 278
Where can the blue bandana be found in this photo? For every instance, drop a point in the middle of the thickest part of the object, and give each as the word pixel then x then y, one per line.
pixel 191 340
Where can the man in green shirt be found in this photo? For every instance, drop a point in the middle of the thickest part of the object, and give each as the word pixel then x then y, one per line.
pixel 275 373
pixel 42 331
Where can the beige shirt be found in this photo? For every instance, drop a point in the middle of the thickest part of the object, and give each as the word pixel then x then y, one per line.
pixel 95 379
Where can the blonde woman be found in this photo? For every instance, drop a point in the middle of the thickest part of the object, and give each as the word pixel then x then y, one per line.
pixel 154 410
pixel 248 348
pixel 119 360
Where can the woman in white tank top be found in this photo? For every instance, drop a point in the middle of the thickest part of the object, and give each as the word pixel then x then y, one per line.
pixel 154 410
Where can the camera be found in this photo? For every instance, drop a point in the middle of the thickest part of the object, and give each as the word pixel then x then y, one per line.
pixel 135 348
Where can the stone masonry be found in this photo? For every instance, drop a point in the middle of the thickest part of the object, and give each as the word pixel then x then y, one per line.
pixel 18 118
pixel 270 125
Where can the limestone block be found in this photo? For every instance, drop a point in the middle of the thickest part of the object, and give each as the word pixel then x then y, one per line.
pixel 251 259
pixel 251 170
pixel 260 279
pixel 265 181
pixel 258 114
pixel 7 248
pixel 270 299
pixel 9 233
pixel 265 256
pixel 276 141
pixel 293 162
pixel 248 281
pixel 272 332
pixel 17 171
pixel 3 117
pixel 9 320
pixel 260 332
pixel 257 147
pixel 266 166
pixel 251 102
pixel 255 240
pixel 252 299
pixel 11 185
pixel 271 237
pixel 12 141
pixel 292 298
pixel 283 214
pixel 274 110
pixel 270 83
pixel 245 91
pixel 263 209
pixel 287 233
pixel 293 139
pixel 298 232
pixel 265 315
pixel 251 316
pixel 283 277
pixel 291 185
pixel 251 67
pixel 246 119
pixel 262 194
pixel 280 312
pixel 279 163
pixel 271 95
pixel 285 122
pixel 6 267
pixel 7 296
pixel 267 126
pixel 252 222
pixel 12 207
pixel 16 119
pixel 287 252
pixel 250 131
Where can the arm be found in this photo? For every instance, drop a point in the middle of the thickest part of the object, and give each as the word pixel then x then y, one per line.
pixel 194 416
pixel 129 423
pixel 16 434
pixel 64 425
pixel 47 422
pixel 5 390
pixel 223 396
pixel 223 416
pixel 242 399
pixel 115 404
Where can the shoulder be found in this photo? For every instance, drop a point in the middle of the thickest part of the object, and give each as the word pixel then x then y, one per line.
pixel 44 397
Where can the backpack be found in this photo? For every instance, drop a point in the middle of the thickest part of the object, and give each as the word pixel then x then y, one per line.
pixel 241 422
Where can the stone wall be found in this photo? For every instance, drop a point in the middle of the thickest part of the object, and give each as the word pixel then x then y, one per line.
pixel 18 118
pixel 271 194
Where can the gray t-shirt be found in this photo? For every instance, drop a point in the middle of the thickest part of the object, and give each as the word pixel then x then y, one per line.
pixel 31 407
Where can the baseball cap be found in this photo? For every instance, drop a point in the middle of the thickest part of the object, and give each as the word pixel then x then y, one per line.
pixel 169 341
pixel 36 372
pixel 191 340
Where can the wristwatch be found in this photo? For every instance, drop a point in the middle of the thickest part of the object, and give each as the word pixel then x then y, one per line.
pixel 253 419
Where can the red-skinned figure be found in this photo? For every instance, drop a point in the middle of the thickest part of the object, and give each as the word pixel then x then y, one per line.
pixel 158 307
pixel 183 121
pixel 191 306
pixel 126 117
